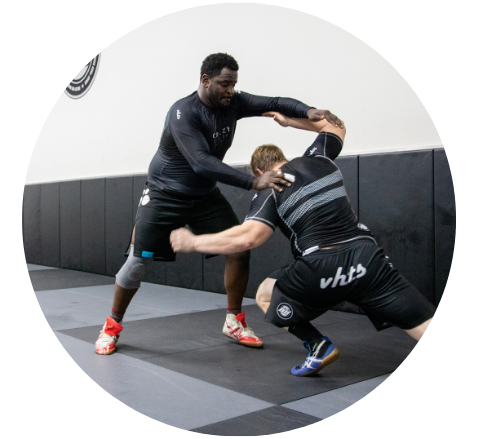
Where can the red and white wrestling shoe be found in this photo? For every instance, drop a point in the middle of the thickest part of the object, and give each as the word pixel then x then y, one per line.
pixel 237 329
pixel 106 343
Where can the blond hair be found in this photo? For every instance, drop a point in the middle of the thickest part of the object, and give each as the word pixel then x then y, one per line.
pixel 265 158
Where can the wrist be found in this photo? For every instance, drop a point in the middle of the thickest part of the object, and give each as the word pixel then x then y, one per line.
pixel 254 183
pixel 194 244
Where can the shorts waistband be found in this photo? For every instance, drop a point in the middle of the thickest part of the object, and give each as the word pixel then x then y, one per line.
pixel 338 245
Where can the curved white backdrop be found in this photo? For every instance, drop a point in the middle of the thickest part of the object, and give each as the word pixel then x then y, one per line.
pixel 115 128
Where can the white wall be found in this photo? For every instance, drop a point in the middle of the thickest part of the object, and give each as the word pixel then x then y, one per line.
pixel 115 128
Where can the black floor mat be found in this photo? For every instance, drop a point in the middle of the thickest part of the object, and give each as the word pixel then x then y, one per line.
pixel 58 279
pixel 268 421
pixel 192 344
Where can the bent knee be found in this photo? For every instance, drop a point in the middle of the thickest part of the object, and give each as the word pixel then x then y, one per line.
pixel 264 292
pixel 133 271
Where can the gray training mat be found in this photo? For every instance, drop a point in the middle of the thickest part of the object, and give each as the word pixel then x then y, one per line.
pixel 59 279
pixel 268 421
pixel 192 344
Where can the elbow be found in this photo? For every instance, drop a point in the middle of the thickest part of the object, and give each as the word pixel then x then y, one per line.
pixel 198 168
pixel 246 243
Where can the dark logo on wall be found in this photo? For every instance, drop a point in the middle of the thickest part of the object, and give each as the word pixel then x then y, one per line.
pixel 83 81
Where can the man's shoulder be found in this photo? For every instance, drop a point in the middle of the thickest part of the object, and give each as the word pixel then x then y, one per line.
pixel 184 107
pixel 240 96
pixel 263 195
pixel 310 167
pixel 310 159
pixel 187 101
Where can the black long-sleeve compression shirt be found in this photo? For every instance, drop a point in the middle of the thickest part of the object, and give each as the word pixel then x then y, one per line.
pixel 314 212
pixel 196 138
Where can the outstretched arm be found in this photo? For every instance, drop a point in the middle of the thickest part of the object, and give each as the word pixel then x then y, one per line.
pixel 248 235
pixel 193 146
pixel 326 124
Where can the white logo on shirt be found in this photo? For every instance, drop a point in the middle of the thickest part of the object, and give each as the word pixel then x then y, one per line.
pixel 221 133
pixel 179 114
pixel 312 151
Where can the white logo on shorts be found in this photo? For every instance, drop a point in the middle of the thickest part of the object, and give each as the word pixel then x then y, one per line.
pixel 344 279
pixel 284 311
pixel 178 113
pixel 145 198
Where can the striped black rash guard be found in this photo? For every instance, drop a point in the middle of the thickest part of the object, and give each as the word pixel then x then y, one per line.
pixel 195 140
pixel 314 212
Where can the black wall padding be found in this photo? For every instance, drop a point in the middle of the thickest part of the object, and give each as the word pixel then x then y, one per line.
pixel 70 224
pixel 186 271
pixel 396 203
pixel 406 198
pixel 445 215
pixel 157 271
pixel 50 224
pixel 240 201
pixel 93 226
pixel 118 221
pixel 348 165
pixel 31 224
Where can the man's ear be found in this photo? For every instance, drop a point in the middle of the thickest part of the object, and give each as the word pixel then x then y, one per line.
pixel 259 171
pixel 205 79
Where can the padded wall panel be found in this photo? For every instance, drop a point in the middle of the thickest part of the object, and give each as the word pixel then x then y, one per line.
pixel 186 271
pixel 240 201
pixel 348 165
pixel 50 224
pixel 445 218
pixel 157 270
pixel 118 221
pixel 31 224
pixel 70 224
pixel 93 226
pixel 396 203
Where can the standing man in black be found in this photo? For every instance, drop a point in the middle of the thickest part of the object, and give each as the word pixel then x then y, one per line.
pixel 181 188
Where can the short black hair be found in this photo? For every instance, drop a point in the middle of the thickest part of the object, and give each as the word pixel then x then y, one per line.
pixel 214 63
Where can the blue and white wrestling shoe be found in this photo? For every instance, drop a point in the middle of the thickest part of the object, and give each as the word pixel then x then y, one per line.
pixel 321 354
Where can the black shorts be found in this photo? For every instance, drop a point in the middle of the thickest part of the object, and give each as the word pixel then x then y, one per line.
pixel 359 273
pixel 160 212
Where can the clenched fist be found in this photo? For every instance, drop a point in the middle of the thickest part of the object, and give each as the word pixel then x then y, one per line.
pixel 182 240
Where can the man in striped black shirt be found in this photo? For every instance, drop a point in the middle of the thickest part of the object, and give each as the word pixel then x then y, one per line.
pixel 336 257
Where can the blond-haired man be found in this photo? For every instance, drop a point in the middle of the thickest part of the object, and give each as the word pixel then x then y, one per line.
pixel 336 257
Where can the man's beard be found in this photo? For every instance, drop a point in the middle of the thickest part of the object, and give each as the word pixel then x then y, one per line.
pixel 216 101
